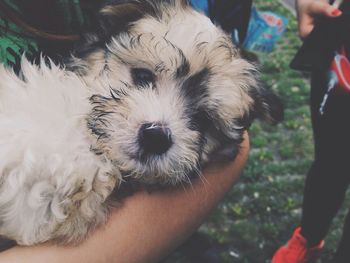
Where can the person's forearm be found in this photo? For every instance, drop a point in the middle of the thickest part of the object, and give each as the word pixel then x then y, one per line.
pixel 147 226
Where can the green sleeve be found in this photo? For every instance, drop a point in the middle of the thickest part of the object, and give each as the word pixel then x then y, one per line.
pixel 13 44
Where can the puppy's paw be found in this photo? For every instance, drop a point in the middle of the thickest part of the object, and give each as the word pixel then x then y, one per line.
pixel 85 208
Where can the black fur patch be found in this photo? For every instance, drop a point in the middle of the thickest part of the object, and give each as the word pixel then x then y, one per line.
pixel 267 105
pixel 183 69
pixel 195 87
pixel 98 118
pixel 142 77
pixel 199 120
pixel 116 15
pixel 98 121
pixel 228 149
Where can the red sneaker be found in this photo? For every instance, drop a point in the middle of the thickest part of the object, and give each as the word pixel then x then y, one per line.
pixel 296 250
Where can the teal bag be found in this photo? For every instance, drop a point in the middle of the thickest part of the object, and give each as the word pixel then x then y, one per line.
pixel 265 29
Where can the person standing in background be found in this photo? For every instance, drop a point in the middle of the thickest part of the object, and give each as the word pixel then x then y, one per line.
pixel 329 176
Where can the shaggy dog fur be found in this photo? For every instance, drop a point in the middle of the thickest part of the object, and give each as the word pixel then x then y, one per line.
pixel 153 96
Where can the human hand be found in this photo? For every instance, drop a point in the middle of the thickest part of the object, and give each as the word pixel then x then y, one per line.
pixel 309 10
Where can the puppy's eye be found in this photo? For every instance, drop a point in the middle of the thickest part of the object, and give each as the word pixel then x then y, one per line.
pixel 142 77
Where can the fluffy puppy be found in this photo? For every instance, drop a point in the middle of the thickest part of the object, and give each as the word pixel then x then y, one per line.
pixel 181 92
pixel 158 92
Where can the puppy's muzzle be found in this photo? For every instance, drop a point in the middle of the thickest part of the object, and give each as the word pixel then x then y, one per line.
pixel 155 138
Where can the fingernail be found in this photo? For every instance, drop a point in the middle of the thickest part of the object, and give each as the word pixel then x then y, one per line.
pixel 336 12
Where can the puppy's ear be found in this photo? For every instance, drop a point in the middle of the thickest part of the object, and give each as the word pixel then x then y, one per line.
pixel 267 105
pixel 116 15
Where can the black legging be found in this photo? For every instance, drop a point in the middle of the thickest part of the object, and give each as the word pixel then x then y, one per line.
pixel 329 176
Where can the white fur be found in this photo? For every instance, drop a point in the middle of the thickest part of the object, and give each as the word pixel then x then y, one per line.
pixel 45 157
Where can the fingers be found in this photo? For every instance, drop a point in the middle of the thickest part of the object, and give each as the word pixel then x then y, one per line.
pixel 309 10
pixel 305 29
pixel 320 8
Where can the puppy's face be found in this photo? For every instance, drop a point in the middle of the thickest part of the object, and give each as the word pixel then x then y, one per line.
pixel 178 91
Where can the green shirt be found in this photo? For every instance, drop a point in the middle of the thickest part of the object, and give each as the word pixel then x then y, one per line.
pixel 13 44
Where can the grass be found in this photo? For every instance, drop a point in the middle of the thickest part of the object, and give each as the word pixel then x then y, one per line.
pixel 261 211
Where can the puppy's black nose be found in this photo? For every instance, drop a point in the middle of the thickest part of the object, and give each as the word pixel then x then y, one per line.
pixel 154 138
